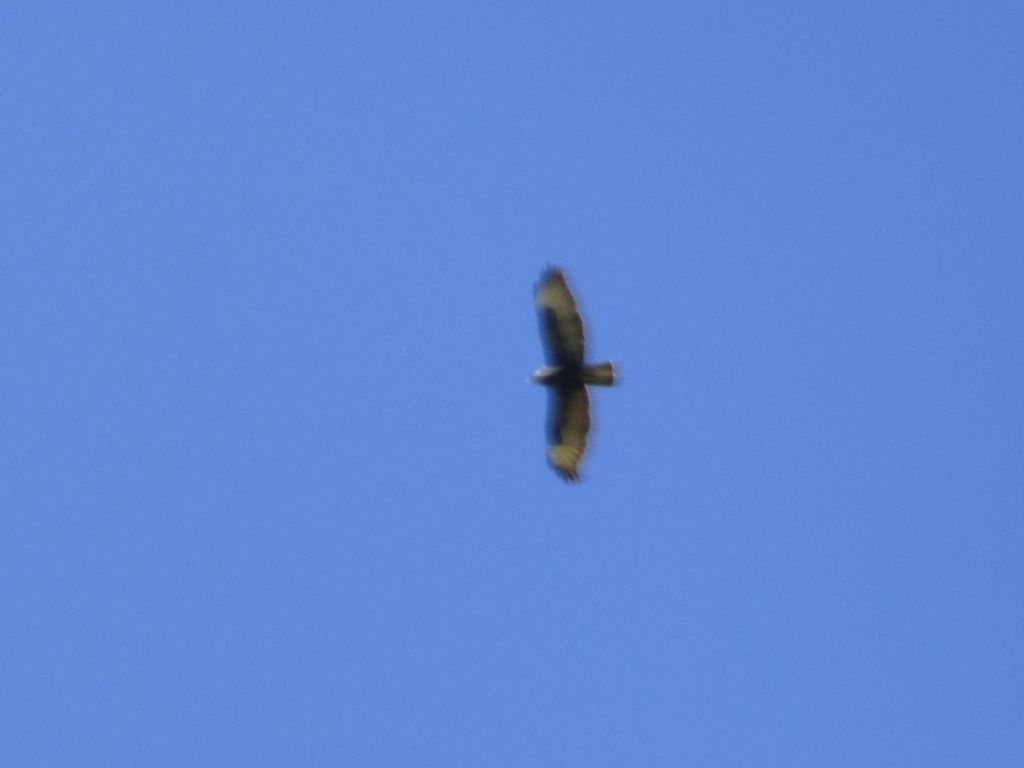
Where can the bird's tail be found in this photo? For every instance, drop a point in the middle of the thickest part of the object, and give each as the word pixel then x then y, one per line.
pixel 602 374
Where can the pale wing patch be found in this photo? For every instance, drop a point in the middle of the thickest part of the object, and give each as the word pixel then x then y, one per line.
pixel 561 321
pixel 565 452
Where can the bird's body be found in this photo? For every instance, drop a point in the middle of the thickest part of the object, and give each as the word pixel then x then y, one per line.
pixel 602 374
pixel 567 373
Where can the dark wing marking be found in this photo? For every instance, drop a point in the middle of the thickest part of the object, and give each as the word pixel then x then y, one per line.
pixel 568 425
pixel 561 327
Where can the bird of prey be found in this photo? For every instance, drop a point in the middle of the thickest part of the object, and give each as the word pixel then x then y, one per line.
pixel 566 375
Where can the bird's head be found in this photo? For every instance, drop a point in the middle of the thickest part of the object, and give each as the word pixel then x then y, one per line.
pixel 544 375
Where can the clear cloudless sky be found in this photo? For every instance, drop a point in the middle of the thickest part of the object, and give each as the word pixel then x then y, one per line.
pixel 272 476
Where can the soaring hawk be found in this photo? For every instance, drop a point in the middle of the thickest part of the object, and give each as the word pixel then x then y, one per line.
pixel 566 375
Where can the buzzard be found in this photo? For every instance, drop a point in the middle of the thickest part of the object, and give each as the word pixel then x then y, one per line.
pixel 567 373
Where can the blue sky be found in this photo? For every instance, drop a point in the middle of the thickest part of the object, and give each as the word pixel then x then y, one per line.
pixel 272 479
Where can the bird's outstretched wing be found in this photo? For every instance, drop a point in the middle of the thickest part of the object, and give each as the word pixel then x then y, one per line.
pixel 568 425
pixel 561 327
